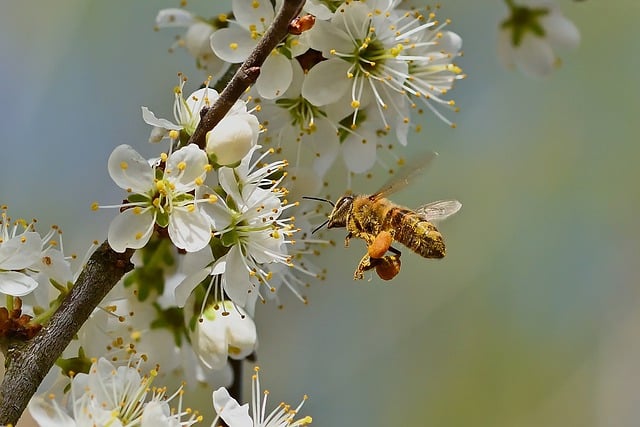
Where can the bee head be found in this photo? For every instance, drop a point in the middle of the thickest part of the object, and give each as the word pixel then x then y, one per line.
pixel 338 216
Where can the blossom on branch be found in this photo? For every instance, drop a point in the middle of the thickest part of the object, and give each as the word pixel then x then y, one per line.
pixel 112 396
pixel 235 415
pixel 532 33
pixel 28 259
pixel 159 196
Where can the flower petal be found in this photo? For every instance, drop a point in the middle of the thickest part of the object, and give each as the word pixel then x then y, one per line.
pixel 275 76
pixel 257 12
pixel 151 119
pixel 16 284
pixel 184 289
pixel 21 251
pixel 129 170
pixel 49 414
pixel 232 44
pixel 359 153
pixel 131 230
pixel 174 17
pixel 189 230
pixel 229 410
pixel 326 82
pixel 185 166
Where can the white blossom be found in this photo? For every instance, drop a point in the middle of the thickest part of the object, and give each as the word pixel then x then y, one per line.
pixel 235 415
pixel 113 396
pixel 161 197
pixel 221 330
pixel 234 43
pixel 196 38
pixel 28 259
pixel 382 56
pixel 246 218
pixel 531 35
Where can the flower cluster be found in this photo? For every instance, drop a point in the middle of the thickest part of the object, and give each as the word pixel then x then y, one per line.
pixel 349 83
pixel 236 415
pixel 112 396
pixel 28 260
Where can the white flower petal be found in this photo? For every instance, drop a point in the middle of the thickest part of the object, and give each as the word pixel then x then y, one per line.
pixel 189 230
pixel 20 251
pixel 326 82
pixel 131 230
pixel 16 284
pixel 325 37
pixel 275 76
pixel 157 414
pixel 129 170
pixel 535 56
pixel 561 32
pixel 151 119
pixel 174 17
pixel 257 12
pixel 231 139
pixel 232 44
pixel 184 289
pixel 229 410
pixel 197 39
pixel 359 153
pixel 237 284
pixel 49 414
pixel 194 161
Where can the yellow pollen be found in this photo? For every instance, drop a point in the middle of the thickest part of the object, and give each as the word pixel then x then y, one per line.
pixel 332 52
pixel 233 46
pixel 163 157
pixel 182 166
pixel 94 206
pixel 355 104
pixel 23 239
pixel 156 202
pixel 198 181
pixel 124 165
pixel 255 4
pixel 136 335
pixel 208 167
pixel 138 235
pixel 174 134
pixel 137 210
pixel 191 208
pixel 212 198
pixel 160 186
pixel 223 17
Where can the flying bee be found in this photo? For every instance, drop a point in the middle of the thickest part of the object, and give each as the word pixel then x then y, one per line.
pixel 379 222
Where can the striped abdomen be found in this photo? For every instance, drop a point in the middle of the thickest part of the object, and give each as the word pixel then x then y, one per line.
pixel 414 232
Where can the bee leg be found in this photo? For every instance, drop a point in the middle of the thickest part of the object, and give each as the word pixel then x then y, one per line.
pixel 366 263
pixel 395 251
pixel 346 239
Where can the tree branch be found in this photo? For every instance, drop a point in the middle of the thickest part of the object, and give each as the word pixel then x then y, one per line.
pixel 29 363
pixel 248 73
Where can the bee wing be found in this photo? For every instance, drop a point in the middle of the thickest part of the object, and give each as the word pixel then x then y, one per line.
pixel 405 175
pixel 437 211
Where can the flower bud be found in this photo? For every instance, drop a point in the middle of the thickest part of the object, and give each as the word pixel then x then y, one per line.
pixel 232 139
pixel 224 330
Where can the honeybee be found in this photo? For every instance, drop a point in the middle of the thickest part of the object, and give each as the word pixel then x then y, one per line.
pixel 379 222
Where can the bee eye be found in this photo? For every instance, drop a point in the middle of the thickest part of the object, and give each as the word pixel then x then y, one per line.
pixel 346 200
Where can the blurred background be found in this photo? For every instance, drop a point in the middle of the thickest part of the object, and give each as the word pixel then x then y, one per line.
pixel 532 319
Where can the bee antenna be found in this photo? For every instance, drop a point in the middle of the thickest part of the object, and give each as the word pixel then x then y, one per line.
pixel 319 200
pixel 319 227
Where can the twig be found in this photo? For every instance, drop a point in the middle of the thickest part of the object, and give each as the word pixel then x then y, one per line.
pixel 248 73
